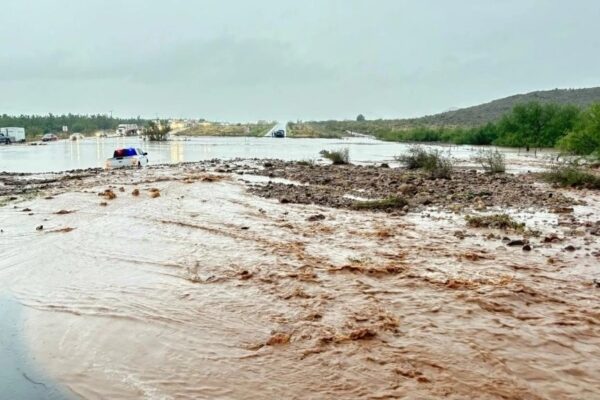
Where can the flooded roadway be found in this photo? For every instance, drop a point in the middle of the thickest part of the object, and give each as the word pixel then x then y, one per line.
pixel 92 152
pixel 207 291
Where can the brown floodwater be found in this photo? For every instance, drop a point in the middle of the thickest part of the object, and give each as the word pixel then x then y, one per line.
pixel 207 291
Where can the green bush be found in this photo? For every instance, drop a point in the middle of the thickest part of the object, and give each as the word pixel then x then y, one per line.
pixel 158 132
pixel 536 125
pixel 567 175
pixel 431 161
pixel 585 138
pixel 309 162
pixel 337 157
pixel 492 161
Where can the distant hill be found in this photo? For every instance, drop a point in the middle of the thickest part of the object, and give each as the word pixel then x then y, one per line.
pixel 492 111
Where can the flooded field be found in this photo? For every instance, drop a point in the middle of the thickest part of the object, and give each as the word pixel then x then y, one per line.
pixel 177 283
pixel 92 152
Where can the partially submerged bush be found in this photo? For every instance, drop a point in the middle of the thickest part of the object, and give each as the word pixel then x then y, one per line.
pixel 432 161
pixel 337 157
pixel 158 131
pixel 492 161
pixel 388 203
pixel 495 221
pixel 568 175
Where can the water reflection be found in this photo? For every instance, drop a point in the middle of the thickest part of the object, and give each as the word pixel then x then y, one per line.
pixel 177 152
pixel 92 152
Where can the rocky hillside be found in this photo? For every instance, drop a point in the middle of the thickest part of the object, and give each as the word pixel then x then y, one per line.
pixel 493 110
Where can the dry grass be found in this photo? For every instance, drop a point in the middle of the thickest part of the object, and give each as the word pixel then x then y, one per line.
pixel 495 221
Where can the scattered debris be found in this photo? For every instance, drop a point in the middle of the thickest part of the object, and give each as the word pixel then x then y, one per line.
pixel 245 275
pixel 62 230
pixel 63 212
pixel 316 217
pixel 362 334
pixel 108 194
pixel 495 221
pixel 279 339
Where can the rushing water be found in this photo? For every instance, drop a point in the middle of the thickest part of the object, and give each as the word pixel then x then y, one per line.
pixel 179 296
pixel 92 152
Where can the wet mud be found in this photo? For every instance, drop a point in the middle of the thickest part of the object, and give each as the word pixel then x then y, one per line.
pixel 210 291
pixel 341 186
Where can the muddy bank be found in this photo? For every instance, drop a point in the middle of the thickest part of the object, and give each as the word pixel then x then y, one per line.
pixel 341 186
pixel 335 186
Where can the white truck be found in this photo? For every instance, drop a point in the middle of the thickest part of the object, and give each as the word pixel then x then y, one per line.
pixel 127 157
pixel 12 135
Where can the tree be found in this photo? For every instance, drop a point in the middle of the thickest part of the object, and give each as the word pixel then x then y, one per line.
pixel 360 118
pixel 534 125
pixel 585 137
pixel 158 131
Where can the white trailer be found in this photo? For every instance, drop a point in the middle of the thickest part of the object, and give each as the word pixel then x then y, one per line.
pixel 15 134
pixel 128 130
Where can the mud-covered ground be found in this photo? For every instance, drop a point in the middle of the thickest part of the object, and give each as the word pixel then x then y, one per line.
pixel 341 186
pixel 197 281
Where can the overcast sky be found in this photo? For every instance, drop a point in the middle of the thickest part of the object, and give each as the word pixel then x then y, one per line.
pixel 241 60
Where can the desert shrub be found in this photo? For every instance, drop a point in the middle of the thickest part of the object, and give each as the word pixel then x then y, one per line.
pixel 158 131
pixel 495 221
pixel 337 157
pixel 309 162
pixel 419 158
pixel 432 161
pixel 492 161
pixel 383 204
pixel 585 138
pixel 570 175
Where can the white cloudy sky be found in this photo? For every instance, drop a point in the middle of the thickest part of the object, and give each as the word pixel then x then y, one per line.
pixel 242 60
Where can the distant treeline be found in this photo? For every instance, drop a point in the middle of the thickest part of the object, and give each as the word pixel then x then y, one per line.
pixel 530 125
pixel 36 125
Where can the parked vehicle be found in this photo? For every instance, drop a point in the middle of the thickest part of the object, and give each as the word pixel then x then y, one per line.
pixel 127 157
pixel 15 134
pixel 49 137
pixel 5 139
pixel 127 130
pixel 279 133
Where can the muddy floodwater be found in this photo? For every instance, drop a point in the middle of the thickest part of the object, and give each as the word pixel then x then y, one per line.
pixel 178 282
pixel 92 152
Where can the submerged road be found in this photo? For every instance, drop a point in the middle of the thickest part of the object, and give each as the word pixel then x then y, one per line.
pixel 277 127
